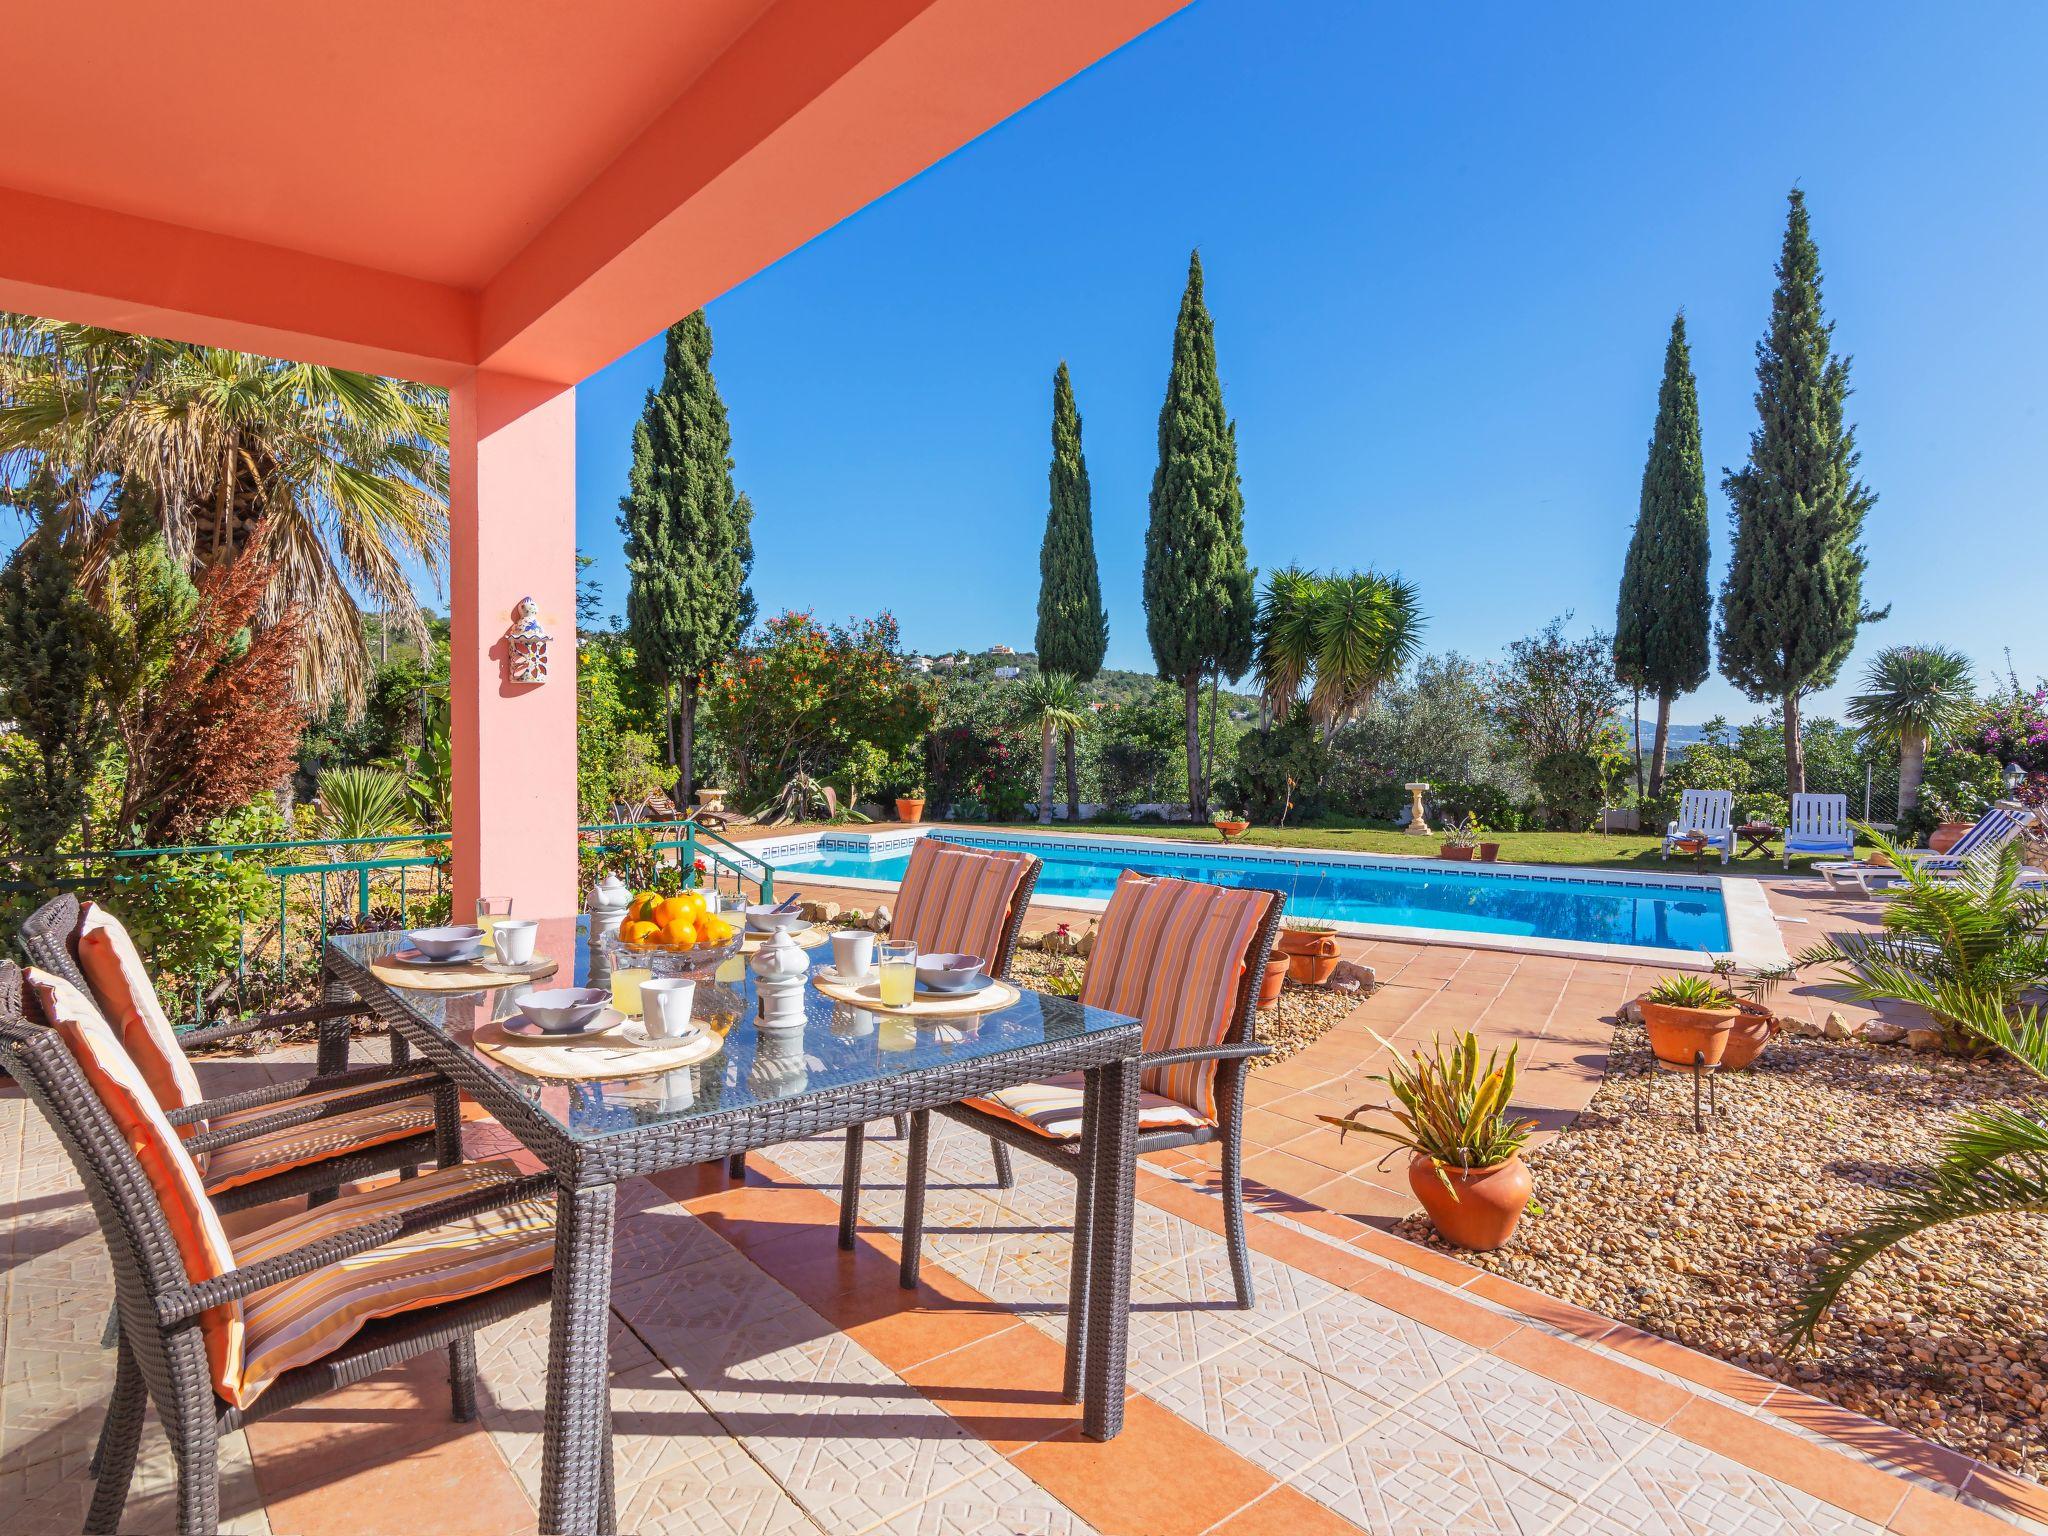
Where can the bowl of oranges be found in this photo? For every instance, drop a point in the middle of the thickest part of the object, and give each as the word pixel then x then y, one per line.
pixel 678 928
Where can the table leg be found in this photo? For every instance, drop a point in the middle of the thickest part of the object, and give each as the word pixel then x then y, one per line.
pixel 1084 1232
pixel 576 1436
pixel 1115 1176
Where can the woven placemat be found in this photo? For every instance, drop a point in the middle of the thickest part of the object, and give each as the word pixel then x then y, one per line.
pixel 868 995
pixel 478 975
pixel 593 1057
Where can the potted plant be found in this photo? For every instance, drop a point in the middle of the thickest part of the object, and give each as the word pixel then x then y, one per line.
pixel 1229 823
pixel 1275 974
pixel 1749 990
pixel 1460 839
pixel 1465 1149
pixel 1688 1019
pixel 1311 950
pixel 910 803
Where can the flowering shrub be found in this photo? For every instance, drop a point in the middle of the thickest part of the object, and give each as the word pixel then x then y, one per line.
pixel 2015 730
pixel 801 695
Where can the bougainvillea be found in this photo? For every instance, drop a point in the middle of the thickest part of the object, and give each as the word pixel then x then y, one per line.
pixel 2015 730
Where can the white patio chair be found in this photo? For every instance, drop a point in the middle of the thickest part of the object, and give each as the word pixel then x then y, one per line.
pixel 1819 824
pixel 1992 831
pixel 1707 813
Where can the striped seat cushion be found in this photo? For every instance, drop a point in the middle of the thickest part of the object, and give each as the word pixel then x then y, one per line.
pixel 1053 1108
pixel 1172 953
pixel 298 1321
pixel 127 998
pixel 131 1103
pixel 956 900
pixel 295 1146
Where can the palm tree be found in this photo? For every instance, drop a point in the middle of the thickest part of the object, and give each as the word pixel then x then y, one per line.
pixel 1340 636
pixel 1052 702
pixel 1964 949
pixel 1913 696
pixel 341 476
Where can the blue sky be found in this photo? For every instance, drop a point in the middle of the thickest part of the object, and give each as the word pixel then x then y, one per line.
pixel 1443 246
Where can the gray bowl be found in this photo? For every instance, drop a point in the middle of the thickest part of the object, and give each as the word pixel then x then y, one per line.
pixel 765 919
pixel 948 973
pixel 563 1010
pixel 447 943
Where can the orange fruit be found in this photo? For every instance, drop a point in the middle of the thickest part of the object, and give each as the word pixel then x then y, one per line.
pixel 682 933
pixel 672 909
pixel 713 930
pixel 640 933
pixel 694 904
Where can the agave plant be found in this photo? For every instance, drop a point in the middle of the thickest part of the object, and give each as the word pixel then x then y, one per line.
pixel 1686 990
pixel 1977 934
pixel 363 802
pixel 1451 1110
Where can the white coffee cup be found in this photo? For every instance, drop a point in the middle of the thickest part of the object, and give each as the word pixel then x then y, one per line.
pixel 665 1005
pixel 513 938
pixel 853 953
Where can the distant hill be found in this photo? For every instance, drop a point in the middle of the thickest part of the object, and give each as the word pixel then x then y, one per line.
pixel 1681 735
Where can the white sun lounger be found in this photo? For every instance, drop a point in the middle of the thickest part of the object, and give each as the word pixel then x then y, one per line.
pixel 1991 832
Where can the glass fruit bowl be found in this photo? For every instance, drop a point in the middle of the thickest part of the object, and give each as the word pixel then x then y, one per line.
pixel 672 959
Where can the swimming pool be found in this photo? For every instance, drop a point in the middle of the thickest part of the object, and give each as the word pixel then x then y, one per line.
pixel 1669 920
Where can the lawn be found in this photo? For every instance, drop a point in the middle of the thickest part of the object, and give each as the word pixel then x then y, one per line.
pixel 1592 850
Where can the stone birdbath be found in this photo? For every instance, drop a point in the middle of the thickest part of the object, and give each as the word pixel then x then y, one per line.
pixel 1418 824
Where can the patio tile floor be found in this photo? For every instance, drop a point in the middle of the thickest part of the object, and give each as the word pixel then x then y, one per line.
pixel 764 1383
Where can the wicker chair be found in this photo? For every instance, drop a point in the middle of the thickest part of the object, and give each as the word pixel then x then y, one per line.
pixel 312 1105
pixel 1232 1057
pixel 163 1357
pixel 856 1136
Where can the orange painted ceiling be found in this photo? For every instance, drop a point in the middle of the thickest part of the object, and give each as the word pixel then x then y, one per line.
pixel 432 138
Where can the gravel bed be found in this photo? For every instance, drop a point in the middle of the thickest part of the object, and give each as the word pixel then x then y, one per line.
pixel 1707 1239
pixel 1297 1020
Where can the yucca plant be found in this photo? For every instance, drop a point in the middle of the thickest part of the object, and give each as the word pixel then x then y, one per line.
pixel 363 802
pixel 1451 1110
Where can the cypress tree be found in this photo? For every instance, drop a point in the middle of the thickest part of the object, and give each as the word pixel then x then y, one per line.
pixel 1073 631
pixel 1793 598
pixel 48 639
pixel 689 543
pixel 1661 623
pixel 1199 605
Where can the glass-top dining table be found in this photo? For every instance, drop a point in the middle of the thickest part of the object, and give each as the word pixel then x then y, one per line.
pixel 849 1066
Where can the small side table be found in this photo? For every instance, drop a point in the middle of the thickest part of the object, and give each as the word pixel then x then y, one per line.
pixel 1758 834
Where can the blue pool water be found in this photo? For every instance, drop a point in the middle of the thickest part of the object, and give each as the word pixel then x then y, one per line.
pixel 1650 914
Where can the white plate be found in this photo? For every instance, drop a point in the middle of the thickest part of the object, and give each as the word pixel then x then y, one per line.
pixel 634 1032
pixel 830 972
pixel 520 1025
pixel 417 957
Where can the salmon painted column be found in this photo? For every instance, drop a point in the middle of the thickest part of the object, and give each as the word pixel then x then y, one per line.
pixel 512 535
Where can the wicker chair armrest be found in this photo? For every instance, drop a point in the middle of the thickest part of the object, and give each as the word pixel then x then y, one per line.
pixel 311 1113
pixel 190 1300
pixel 1203 1053
pixel 278 1093
pixel 319 1013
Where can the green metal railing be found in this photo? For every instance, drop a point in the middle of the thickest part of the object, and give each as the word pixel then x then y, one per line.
pixel 397 870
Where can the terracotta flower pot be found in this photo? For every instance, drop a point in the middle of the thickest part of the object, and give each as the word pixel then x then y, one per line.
pixel 1488 852
pixel 1310 956
pixel 1483 1205
pixel 909 810
pixel 1677 1034
pixel 1754 1025
pixel 1269 984
pixel 1454 853
pixel 1947 835
pixel 1231 829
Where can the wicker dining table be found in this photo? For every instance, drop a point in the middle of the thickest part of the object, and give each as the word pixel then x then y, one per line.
pixel 851 1067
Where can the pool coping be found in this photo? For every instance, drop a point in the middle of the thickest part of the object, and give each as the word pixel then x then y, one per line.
pixel 1754 938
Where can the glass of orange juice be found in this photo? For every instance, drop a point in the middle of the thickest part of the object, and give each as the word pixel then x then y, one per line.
pixel 896 972
pixel 626 983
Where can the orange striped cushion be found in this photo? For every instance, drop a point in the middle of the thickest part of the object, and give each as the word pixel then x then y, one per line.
pixel 127 997
pixel 295 1146
pixel 300 1320
pixel 1053 1108
pixel 129 1100
pixel 1171 953
pixel 956 900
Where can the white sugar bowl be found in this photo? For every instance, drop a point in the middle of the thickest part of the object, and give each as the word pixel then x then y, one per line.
pixel 780 955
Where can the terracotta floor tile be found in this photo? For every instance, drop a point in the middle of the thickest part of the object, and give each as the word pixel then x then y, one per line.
pixel 1425 1261
pixel 2004 1491
pixel 1927 1513
pixel 1160 1477
pixel 457 1487
pixel 1719 1375
pixel 1004 1389
pixel 1873 1439
pixel 1545 1309
pixel 379 1420
pixel 1439 1309
pixel 1285 1512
